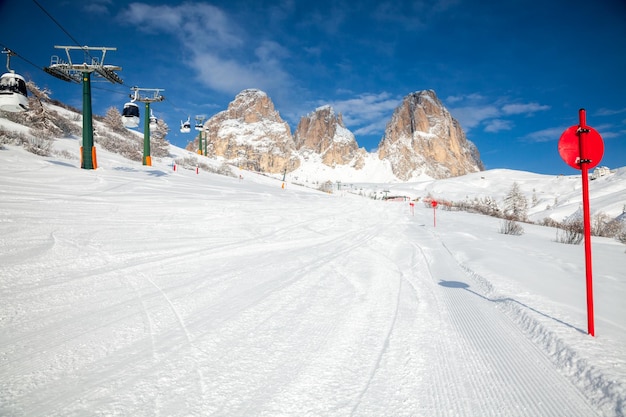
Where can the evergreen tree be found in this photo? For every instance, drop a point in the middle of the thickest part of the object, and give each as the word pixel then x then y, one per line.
pixel 515 204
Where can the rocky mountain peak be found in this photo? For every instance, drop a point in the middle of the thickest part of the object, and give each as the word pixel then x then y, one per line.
pixel 252 134
pixel 324 133
pixel 423 138
pixel 252 106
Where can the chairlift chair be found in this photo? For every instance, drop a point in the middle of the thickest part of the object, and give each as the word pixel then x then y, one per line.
pixel 185 127
pixel 13 93
pixel 153 121
pixel 130 115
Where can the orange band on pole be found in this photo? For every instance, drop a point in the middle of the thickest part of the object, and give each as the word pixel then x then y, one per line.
pixel 93 158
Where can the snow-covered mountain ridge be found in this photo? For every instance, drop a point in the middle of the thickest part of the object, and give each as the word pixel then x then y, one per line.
pixel 421 139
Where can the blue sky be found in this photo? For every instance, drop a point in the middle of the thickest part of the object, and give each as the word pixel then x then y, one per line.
pixel 514 73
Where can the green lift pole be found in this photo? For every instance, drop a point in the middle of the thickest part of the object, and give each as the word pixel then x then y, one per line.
pixel 147 159
pixel 77 73
pixel 88 157
pixel 200 126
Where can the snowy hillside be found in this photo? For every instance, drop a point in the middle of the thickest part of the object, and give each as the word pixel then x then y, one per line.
pixel 149 291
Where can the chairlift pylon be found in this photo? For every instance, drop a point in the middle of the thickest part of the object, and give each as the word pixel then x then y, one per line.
pixel 13 92
pixel 200 122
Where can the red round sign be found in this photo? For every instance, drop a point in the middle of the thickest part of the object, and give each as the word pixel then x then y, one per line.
pixel 569 147
pixel 433 203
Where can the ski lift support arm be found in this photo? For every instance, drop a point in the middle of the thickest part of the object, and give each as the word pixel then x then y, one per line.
pixel 145 98
pixel 67 71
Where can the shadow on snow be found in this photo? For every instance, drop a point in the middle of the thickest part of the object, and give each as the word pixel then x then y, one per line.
pixel 466 287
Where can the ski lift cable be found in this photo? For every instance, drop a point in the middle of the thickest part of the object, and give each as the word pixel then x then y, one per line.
pixel 18 55
pixel 62 28
pixel 86 51
pixel 168 102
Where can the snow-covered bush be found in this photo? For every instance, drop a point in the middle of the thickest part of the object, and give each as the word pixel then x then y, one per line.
pixel 570 232
pixel 485 205
pixel 511 227
pixel 193 163
pixel 39 143
pixel 129 148
pixel 11 137
pixel 603 225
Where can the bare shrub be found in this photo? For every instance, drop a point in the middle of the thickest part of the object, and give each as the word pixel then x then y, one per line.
pixel 326 187
pixel 127 148
pixel 66 126
pixel 486 205
pixel 570 232
pixel 192 163
pixel 619 225
pixel 550 222
pixel 225 170
pixel 39 144
pixel 65 154
pixel 10 137
pixel 603 225
pixel 511 227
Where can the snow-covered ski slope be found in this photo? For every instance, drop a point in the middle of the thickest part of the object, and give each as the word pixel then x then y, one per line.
pixel 144 291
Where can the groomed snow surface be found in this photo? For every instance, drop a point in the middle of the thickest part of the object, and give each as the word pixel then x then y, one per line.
pixel 144 291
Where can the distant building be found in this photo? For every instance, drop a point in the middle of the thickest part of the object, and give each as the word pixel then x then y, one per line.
pixel 600 172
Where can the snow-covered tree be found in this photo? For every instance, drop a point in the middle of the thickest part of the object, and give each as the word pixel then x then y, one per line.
pixel 113 120
pixel 159 145
pixel 515 204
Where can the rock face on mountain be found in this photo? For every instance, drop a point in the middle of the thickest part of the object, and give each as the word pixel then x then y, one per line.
pixel 423 138
pixel 323 132
pixel 252 134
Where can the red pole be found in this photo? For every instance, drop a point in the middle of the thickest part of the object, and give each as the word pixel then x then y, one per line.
pixel 434 216
pixel 583 129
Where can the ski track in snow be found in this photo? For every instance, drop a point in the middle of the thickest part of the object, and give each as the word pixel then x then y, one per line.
pixel 503 366
pixel 358 310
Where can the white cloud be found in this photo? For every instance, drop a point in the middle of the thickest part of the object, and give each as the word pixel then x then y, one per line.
pixel 520 108
pixel 497 125
pixel 609 112
pixel 98 6
pixel 545 135
pixel 224 55
pixel 472 116
pixel 367 112
pixel 470 97
pixel 152 18
pixel 493 115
